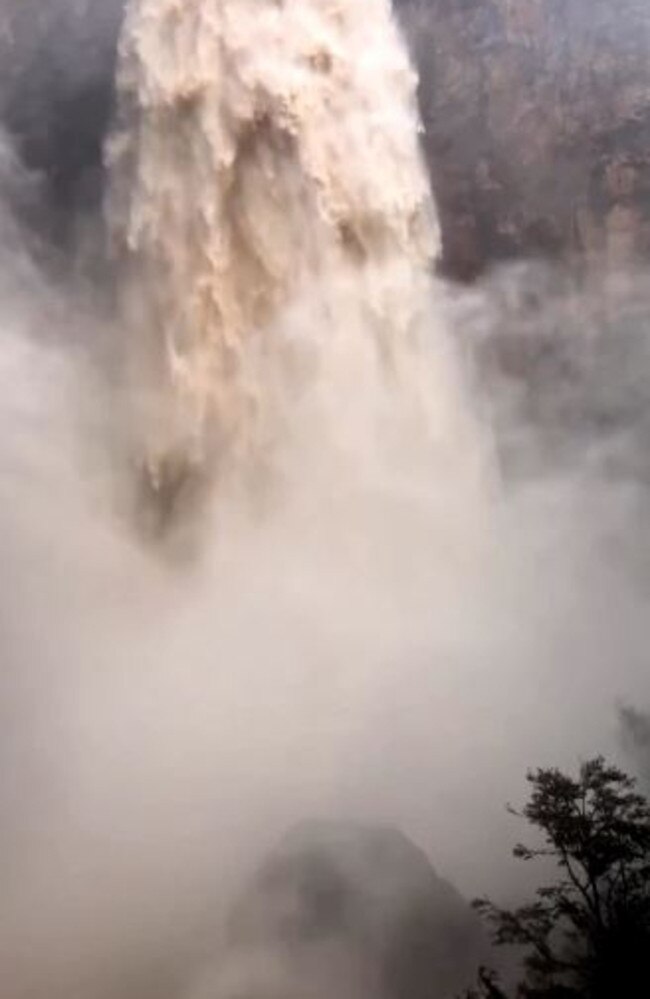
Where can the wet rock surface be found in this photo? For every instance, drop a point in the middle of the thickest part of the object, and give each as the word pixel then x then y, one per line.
pixel 350 910
pixel 537 126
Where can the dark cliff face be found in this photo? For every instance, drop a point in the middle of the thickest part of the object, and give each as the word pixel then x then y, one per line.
pixel 57 66
pixel 537 118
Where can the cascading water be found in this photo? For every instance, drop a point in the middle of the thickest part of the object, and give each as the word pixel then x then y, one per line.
pixel 268 197
pixel 274 238
pixel 390 640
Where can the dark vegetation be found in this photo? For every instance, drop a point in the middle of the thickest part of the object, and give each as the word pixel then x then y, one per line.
pixel 341 904
pixel 586 934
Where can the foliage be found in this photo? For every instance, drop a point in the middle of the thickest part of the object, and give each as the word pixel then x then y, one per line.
pixel 587 935
pixel 487 988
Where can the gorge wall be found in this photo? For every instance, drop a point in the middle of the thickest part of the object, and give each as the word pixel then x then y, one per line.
pixel 537 125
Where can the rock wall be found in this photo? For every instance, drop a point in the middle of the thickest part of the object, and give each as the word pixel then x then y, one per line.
pixel 537 119
pixel 57 63
pixel 352 911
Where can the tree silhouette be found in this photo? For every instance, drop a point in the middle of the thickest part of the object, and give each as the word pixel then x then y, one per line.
pixel 588 934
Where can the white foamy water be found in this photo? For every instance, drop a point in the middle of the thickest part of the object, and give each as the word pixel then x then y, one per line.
pixel 271 209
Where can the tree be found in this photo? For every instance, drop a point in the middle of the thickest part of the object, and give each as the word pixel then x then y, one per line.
pixel 588 934
pixel 488 986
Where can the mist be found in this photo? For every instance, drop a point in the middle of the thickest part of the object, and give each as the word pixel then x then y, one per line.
pixel 387 629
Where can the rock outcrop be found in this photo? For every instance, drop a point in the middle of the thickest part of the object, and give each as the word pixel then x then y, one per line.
pixel 57 64
pixel 537 125
pixel 348 911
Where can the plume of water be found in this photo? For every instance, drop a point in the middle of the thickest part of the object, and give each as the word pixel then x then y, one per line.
pixel 270 209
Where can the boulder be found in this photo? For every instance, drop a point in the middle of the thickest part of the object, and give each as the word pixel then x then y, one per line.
pixel 351 911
